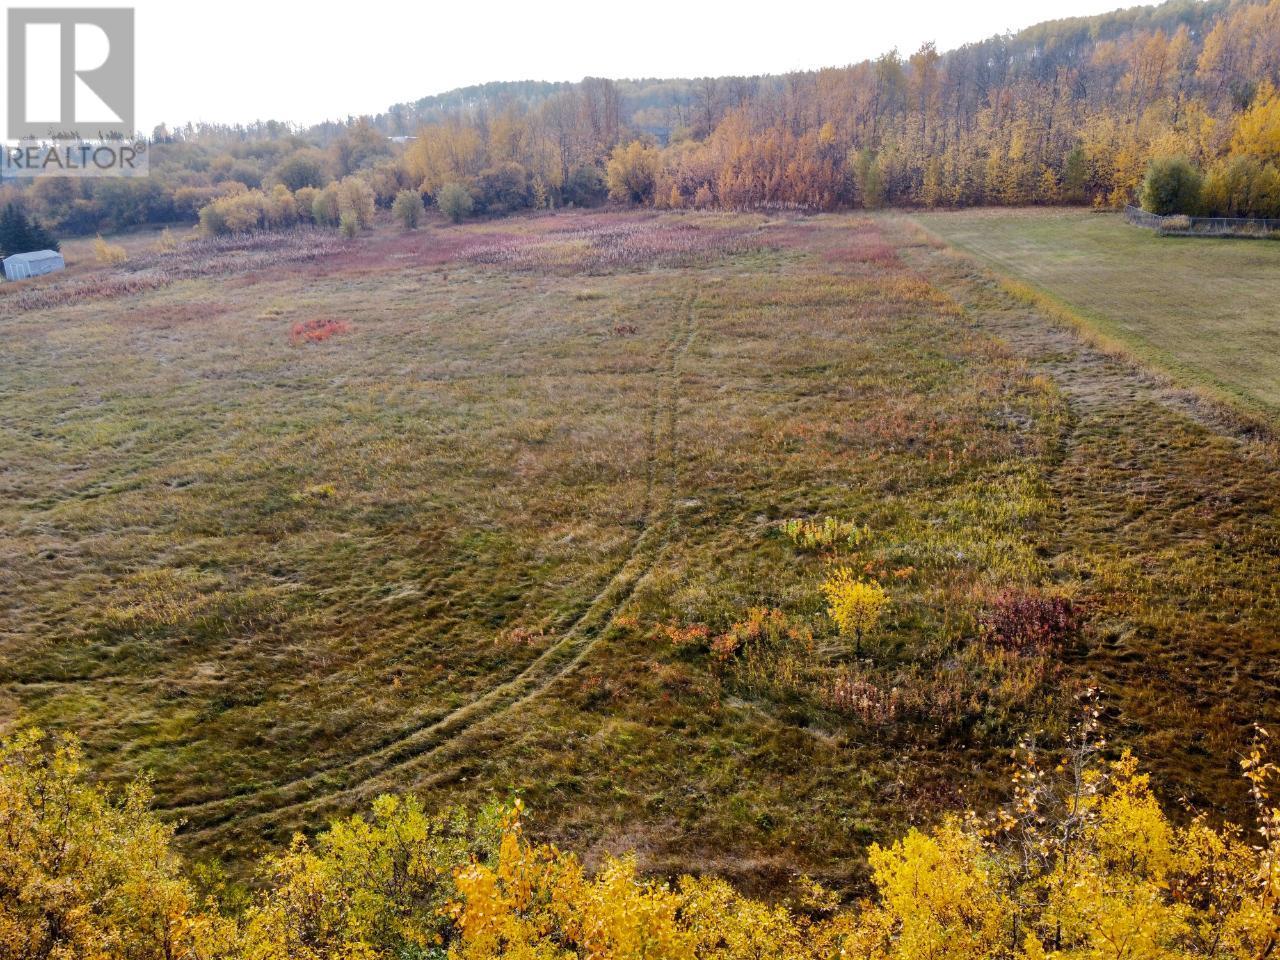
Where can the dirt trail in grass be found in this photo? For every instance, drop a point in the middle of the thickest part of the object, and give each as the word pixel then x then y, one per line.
pixel 370 773
pixel 1169 523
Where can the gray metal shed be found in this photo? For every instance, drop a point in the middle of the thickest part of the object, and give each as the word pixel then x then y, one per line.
pixel 23 265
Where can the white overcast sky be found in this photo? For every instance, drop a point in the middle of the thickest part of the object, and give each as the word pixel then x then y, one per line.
pixel 241 60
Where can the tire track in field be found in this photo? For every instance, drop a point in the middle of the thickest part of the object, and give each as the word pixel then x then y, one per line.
pixel 363 774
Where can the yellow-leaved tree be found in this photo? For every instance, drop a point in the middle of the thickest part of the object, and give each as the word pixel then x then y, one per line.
pixel 539 903
pixel 1257 132
pixel 632 172
pixel 368 887
pixel 1083 864
pixel 88 876
pixel 854 605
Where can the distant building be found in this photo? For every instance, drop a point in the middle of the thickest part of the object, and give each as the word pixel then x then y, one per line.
pixel 402 139
pixel 23 265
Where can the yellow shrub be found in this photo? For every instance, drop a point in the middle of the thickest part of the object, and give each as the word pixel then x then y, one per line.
pixel 111 254
pixel 855 605
pixel 826 534
pixel 1082 865
pixel 166 242
pixel 941 895
pixel 83 874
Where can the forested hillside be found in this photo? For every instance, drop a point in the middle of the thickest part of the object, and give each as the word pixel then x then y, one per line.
pixel 1071 111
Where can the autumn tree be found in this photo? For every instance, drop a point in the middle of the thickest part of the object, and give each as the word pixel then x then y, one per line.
pixel 90 875
pixel 307 167
pixel 869 177
pixel 1242 186
pixel 324 208
pixel 109 254
pixel 359 145
pixel 632 172
pixel 356 202
pixel 454 201
pixel 370 886
pixel 407 208
pixel 855 606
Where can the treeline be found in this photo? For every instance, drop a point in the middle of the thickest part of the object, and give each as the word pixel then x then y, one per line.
pixel 189 173
pixel 1071 111
pixel 1081 865
pixel 1244 182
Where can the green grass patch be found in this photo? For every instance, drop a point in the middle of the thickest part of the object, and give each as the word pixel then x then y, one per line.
pixel 1200 310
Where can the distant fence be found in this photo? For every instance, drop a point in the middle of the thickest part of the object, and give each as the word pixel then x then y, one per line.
pixel 1202 226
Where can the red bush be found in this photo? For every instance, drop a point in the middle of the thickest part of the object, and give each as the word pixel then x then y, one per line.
pixel 1028 621
pixel 317 330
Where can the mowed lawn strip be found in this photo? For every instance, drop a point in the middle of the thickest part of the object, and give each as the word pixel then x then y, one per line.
pixel 1202 309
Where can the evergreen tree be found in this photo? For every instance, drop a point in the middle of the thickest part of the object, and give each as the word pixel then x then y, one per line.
pixel 1075 176
pixel 41 238
pixel 18 234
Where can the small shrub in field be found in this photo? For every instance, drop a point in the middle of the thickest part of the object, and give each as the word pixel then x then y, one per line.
pixel 245 212
pixel 826 534
pixel 407 208
pixel 349 226
pixel 316 331
pixel 765 630
pixel 166 242
pixel 1028 621
pixel 356 202
pixel 522 637
pixel 857 696
pixel 317 491
pixel 454 201
pixel 692 635
pixel 624 330
pixel 854 605
pixel 111 254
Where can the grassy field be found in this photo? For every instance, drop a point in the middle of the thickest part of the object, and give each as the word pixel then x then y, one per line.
pixel 290 521
pixel 1202 309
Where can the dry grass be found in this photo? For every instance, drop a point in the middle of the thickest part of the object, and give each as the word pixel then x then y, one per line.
pixel 447 547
